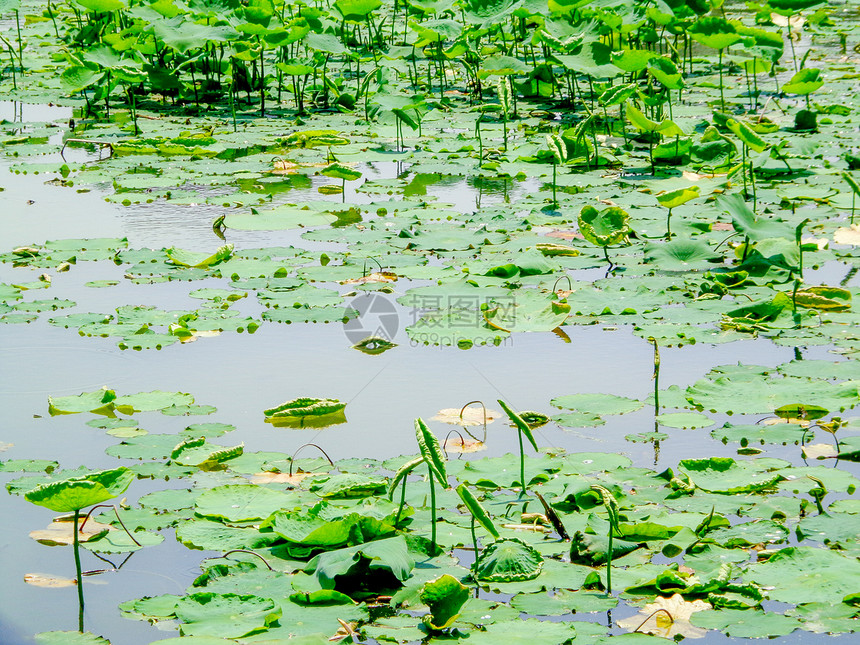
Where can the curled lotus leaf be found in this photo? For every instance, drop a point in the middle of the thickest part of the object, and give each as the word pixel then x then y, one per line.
pixel 76 493
pixel 445 597
pixel 303 407
pixel 508 560
pixel 606 227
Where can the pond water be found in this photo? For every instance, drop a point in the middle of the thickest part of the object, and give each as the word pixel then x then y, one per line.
pixel 243 374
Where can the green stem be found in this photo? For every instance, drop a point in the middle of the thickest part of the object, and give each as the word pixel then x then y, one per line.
pixel 80 582
pixel 402 503
pixel 722 97
pixel 474 542
pixel 522 462
pixel 432 511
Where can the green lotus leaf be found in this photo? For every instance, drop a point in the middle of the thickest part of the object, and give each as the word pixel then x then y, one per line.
pixel 445 597
pixel 746 221
pixel 241 503
pixel 806 81
pixel 98 402
pixel 225 615
pixel 508 560
pixel 214 536
pixel 76 493
pixel 197 452
pixel 563 602
pixel 746 134
pixel 388 558
pixel 685 420
pixel 349 485
pixel 675 198
pixel 118 541
pixel 680 254
pixel 183 258
pixel 746 623
pixel 151 401
pixel 597 403
pixel 763 396
pixel 606 227
pixel 593 550
pixel 70 638
pixel 714 32
pixel 339 171
pixel 825 618
pixel 726 476
pixel 314 528
pixel 305 407
pixel 806 574
pixel 531 631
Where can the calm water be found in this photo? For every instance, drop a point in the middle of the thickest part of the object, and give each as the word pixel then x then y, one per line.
pixel 242 374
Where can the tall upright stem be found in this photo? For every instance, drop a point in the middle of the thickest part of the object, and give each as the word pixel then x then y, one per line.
pixel 522 462
pixel 80 582
pixel 432 511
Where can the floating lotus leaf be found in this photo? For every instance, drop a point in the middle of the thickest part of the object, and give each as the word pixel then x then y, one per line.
pixel 349 485
pixel 98 402
pixel 225 615
pixel 508 560
pixel 806 574
pixel 70 638
pixel 151 401
pixel 240 503
pixel 726 476
pixel 199 260
pixel 746 623
pixel 76 493
pixel 304 407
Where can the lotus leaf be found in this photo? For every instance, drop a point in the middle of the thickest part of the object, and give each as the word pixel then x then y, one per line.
pixel 98 402
pixel 305 407
pixel 240 503
pixel 70 638
pixel 744 623
pixel 214 536
pixel 726 476
pixel 75 493
pixel 225 615
pixel 349 485
pixel 358 565
pixel 445 597
pixel 606 227
pixel 508 560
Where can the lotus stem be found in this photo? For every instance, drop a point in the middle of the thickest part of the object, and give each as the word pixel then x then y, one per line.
pixel 402 503
pixel 432 509
pixel 299 449
pixel 266 562
pixel 559 279
pixel 475 543
pixel 651 615
pixel 118 518
pixel 656 376
pixel 364 268
pixel 484 407
pixel 77 548
pixel 522 463
pixel 445 442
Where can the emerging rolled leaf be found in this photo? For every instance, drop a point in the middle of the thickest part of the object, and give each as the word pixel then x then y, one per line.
pixel 477 510
pixel 305 407
pixel 520 423
pixel 402 472
pixel 431 452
